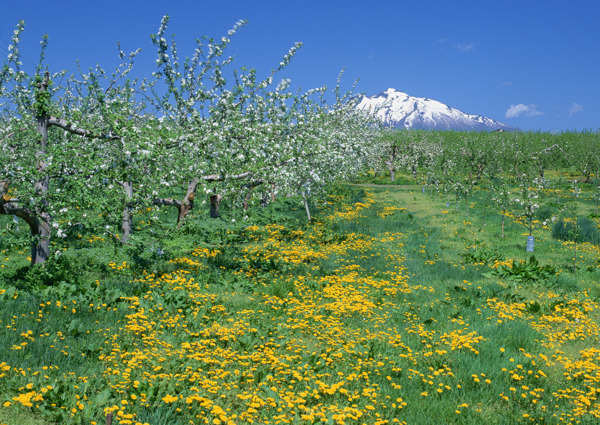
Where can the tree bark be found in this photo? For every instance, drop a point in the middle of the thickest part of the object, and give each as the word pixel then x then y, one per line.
pixel 392 171
pixel 264 201
pixel 40 249
pixel 306 205
pixel 215 201
pixel 184 206
pixel 480 168
pixel 250 186
pixel 187 203
pixel 184 210
pixel 72 128
pixel 127 218
pixel 246 203
pixel 390 165
pixel 40 225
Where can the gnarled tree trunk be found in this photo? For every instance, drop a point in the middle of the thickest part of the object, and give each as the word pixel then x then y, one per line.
pixel 185 205
pixel 39 226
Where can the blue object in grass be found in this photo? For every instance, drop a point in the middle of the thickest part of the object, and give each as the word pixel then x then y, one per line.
pixel 530 243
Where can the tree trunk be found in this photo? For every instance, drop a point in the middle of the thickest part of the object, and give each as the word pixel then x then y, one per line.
pixel 127 219
pixel 246 203
pixel 41 220
pixel 40 249
pixel 264 201
pixel 480 169
pixel 215 201
pixel 184 210
pixel 306 205
pixel 187 203
pixel 184 206
pixel 39 226
pixel 390 165
pixel 248 196
pixel 38 219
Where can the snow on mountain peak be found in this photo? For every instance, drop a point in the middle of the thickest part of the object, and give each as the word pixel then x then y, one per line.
pixel 400 110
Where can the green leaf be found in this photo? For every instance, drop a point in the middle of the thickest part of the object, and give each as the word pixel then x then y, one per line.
pixel 102 398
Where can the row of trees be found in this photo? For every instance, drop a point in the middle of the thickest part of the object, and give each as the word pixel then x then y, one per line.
pixel 479 154
pixel 92 148
pixel 509 166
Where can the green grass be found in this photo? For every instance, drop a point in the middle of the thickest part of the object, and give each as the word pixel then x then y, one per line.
pixel 450 326
pixel 15 415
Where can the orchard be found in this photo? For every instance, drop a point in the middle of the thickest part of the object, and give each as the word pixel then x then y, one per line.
pixel 93 148
pixel 203 244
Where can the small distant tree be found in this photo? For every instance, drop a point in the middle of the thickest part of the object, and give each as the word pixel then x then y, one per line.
pixel 501 197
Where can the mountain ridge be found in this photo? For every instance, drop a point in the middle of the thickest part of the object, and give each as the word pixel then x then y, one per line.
pixel 400 110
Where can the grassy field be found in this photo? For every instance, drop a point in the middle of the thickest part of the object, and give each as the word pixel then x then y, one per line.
pixel 390 307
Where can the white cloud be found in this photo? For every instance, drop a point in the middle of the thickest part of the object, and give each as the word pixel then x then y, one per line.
pixel 516 110
pixel 464 47
pixel 575 107
pixel 506 83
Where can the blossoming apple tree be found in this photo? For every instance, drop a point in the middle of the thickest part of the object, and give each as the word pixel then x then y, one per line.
pixel 92 148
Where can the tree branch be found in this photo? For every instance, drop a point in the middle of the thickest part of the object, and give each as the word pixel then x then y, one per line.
pixel 167 202
pixel 549 149
pixel 8 137
pixel 218 178
pixel 72 128
pixel 11 208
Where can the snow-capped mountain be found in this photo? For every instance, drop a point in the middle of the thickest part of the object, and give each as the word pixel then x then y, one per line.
pixel 399 110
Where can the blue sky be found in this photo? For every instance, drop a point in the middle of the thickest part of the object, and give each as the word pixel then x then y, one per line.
pixel 530 64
